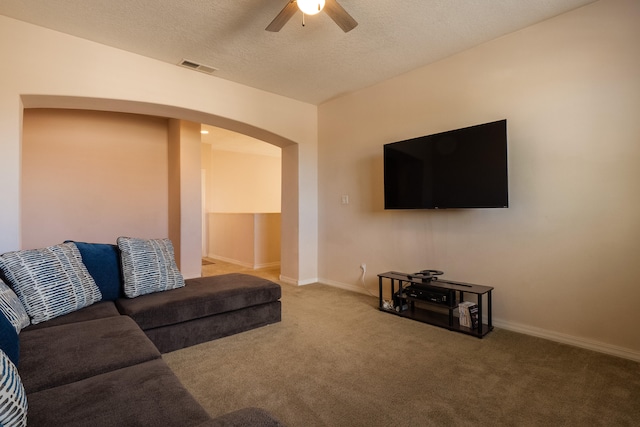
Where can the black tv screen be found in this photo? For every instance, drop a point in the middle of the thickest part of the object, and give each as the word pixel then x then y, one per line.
pixel 463 168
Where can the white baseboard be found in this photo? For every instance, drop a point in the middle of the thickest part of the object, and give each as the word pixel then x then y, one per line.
pixel 267 265
pixel 600 347
pixel 348 287
pixel 230 261
pixel 297 282
pixel 244 264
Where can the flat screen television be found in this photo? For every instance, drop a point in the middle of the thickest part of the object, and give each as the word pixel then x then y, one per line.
pixel 462 168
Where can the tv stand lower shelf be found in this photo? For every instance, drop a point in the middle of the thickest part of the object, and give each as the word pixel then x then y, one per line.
pixel 439 313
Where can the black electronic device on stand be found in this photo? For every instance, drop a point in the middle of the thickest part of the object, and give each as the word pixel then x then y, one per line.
pixel 420 289
pixel 417 292
pixel 426 275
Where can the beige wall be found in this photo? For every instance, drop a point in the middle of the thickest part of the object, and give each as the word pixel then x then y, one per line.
pixel 243 190
pixel 53 70
pixel 244 182
pixel 564 257
pixel 248 239
pixel 267 239
pixel 92 176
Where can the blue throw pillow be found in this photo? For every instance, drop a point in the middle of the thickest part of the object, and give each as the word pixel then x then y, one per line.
pixel 9 342
pixel 103 262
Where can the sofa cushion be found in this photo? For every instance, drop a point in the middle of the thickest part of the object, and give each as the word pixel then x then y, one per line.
pixel 103 262
pixel 148 266
pixel 196 331
pixel 13 399
pixel 12 308
pixel 51 281
pixel 63 354
pixel 9 342
pixel 99 310
pixel 147 394
pixel 200 297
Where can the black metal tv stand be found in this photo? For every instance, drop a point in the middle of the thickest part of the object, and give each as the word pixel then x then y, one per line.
pixel 440 313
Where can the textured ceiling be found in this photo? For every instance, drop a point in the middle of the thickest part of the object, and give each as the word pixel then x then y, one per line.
pixel 313 63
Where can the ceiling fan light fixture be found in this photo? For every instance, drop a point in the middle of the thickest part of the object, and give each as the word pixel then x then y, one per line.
pixel 310 7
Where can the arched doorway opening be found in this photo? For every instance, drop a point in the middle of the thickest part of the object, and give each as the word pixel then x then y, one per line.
pixel 190 211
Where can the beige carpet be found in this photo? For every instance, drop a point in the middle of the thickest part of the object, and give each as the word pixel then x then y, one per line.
pixel 335 360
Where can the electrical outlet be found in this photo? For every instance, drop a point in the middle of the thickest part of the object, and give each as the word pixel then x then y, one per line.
pixel 363 267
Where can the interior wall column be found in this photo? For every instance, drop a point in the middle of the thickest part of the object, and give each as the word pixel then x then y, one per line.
pixel 185 230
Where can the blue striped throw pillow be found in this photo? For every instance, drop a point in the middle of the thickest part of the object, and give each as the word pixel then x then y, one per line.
pixel 51 281
pixel 12 308
pixel 13 399
pixel 148 266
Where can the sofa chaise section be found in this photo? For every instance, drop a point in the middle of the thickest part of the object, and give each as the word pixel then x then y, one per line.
pixel 206 308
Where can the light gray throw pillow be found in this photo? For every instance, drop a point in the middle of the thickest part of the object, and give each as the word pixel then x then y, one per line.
pixel 51 281
pixel 12 308
pixel 13 399
pixel 148 265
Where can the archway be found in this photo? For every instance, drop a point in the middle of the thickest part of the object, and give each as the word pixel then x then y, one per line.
pixel 290 185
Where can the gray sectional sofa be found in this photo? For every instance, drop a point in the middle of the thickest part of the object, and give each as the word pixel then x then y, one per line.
pixel 101 364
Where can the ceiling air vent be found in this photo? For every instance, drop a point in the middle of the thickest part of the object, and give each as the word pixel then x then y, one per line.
pixel 198 67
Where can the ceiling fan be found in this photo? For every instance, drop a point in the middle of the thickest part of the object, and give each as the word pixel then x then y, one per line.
pixel 311 7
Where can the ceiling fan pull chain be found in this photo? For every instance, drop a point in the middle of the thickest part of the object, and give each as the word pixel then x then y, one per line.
pixel 303 19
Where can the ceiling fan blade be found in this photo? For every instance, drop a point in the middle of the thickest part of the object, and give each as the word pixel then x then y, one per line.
pixel 340 16
pixel 283 17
